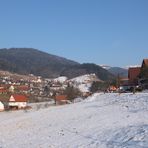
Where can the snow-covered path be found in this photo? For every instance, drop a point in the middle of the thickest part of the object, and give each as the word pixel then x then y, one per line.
pixel 101 121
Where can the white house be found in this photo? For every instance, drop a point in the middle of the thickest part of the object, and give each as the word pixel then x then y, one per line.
pixel 11 88
pixel 18 101
pixel 1 106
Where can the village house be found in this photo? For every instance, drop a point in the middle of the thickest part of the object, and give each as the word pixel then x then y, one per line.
pixel 144 63
pixel 3 90
pixel 17 101
pixel 138 76
pixel 133 75
pixel 6 88
pixel 1 106
pixel 130 82
pixel 23 88
pixel 11 89
pixel 144 74
pixel 61 99
pixel 124 81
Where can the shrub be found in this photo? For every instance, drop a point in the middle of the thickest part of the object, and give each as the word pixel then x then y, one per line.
pixel 99 86
pixel 72 93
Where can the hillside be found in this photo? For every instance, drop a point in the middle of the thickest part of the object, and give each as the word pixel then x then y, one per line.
pixel 26 61
pixel 118 71
pixel 88 68
pixel 32 61
pixel 100 121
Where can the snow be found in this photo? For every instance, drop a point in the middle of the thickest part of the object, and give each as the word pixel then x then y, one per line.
pixel 108 120
pixel 84 87
pixel 85 78
pixel 1 106
pixel 61 79
pixel 131 66
pixel 84 82
pixel 107 67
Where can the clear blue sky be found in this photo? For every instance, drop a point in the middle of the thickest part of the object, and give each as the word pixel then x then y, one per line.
pixel 113 32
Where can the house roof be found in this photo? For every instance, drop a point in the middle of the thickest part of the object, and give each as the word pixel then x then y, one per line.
pixel 3 90
pixel 145 61
pixel 61 97
pixel 133 72
pixel 5 85
pixel 124 79
pixel 18 98
pixel 23 87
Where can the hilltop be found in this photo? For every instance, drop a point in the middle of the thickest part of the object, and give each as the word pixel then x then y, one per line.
pixel 32 61
pixel 117 71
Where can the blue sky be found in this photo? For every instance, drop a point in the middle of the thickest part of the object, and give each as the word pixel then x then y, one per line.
pixel 112 32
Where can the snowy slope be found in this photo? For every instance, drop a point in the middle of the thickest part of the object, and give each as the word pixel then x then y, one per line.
pixel 61 79
pixel 101 121
pixel 84 82
pixel 85 78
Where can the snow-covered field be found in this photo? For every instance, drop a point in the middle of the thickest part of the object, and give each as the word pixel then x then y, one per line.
pixel 101 121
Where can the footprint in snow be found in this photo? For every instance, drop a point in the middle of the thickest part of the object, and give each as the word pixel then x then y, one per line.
pixel 61 133
pixel 75 130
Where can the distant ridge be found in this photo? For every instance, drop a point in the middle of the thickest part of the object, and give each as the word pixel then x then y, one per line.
pixel 33 61
pixel 118 71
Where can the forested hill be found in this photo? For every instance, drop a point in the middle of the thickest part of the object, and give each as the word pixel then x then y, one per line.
pixel 33 61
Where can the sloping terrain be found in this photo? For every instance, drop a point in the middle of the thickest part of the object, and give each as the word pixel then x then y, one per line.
pixel 88 68
pixel 100 121
pixel 117 71
pixel 32 61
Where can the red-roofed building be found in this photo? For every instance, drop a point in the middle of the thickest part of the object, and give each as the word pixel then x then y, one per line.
pixel 61 99
pixel 18 101
pixel 144 74
pixel 133 74
pixel 144 63
pixel 3 90
pixel 23 88
pixel 123 81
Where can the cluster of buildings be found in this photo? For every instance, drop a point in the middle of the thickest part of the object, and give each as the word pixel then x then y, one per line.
pixel 16 90
pixel 13 96
pixel 135 77
pixel 15 93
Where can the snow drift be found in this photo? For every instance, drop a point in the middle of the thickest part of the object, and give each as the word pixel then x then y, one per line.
pixel 100 121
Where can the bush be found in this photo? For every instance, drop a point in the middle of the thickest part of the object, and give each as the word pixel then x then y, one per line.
pixel 99 86
pixel 72 93
pixel 144 73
